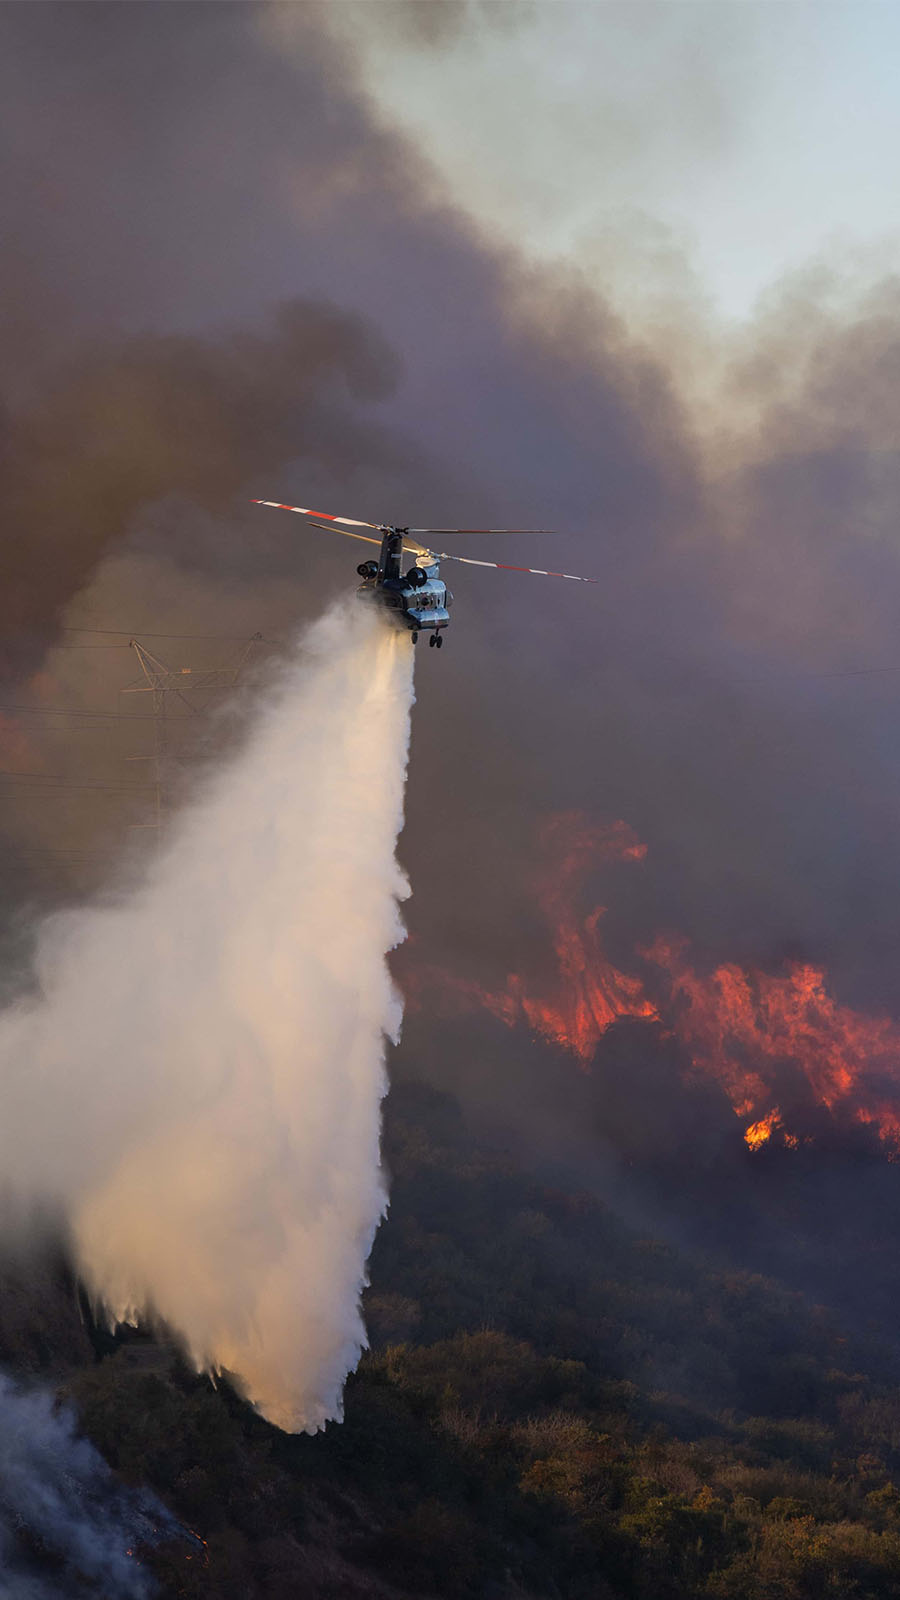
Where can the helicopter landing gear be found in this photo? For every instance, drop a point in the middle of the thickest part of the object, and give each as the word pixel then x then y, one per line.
pixel 415 637
pixel 439 640
pixel 432 640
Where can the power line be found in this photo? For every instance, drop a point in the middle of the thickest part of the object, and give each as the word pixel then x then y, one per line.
pixel 34 854
pixel 858 672
pixel 60 778
pixel 160 680
pixel 75 711
pixel 149 634
pixel 63 788
pixel 41 850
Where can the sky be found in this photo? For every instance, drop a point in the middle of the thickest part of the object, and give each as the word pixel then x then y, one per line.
pixel 758 136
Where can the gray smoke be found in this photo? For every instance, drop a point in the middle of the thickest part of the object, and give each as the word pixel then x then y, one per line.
pixel 61 1508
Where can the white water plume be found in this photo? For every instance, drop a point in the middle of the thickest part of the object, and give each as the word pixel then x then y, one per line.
pixel 200 1078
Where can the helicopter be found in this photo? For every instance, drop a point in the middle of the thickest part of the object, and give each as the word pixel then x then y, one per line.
pixel 417 600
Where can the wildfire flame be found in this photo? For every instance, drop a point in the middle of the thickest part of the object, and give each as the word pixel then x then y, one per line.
pixel 591 993
pixel 741 1028
pixel 759 1132
pixel 588 993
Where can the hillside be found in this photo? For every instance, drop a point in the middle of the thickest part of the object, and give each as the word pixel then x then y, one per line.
pixel 554 1406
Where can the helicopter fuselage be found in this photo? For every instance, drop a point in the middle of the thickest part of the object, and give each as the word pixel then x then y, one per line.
pixel 417 601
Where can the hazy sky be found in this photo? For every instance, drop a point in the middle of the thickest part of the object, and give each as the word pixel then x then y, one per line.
pixel 760 134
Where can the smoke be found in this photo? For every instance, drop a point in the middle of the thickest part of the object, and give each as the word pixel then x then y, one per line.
pixel 199 1078
pixel 61 1508
pixel 746 546
pixel 140 419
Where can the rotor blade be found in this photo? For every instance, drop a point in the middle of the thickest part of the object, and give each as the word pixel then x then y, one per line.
pixel 366 537
pixel 411 548
pixel 304 511
pixel 546 532
pixel 539 572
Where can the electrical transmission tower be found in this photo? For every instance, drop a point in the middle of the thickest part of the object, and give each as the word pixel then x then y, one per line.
pixel 190 687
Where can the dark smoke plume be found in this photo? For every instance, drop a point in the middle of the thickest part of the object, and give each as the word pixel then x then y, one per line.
pixel 745 546
pixel 668 698
pixel 154 417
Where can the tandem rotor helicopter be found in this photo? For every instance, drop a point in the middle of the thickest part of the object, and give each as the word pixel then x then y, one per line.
pixel 418 599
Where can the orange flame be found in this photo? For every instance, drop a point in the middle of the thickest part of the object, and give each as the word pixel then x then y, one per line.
pixel 740 1027
pixel 589 993
pixel 592 993
pixel 760 1132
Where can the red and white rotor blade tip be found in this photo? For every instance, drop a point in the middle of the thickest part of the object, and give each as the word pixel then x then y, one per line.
pixel 444 532
pixel 503 566
pixel 305 511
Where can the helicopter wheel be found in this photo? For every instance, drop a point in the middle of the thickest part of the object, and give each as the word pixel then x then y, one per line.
pixel 432 640
pixel 439 640
pixel 415 638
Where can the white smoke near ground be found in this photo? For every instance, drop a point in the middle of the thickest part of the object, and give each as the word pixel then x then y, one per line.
pixel 66 1526
pixel 199 1078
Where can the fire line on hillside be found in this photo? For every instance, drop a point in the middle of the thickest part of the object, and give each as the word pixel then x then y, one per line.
pixel 739 1027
